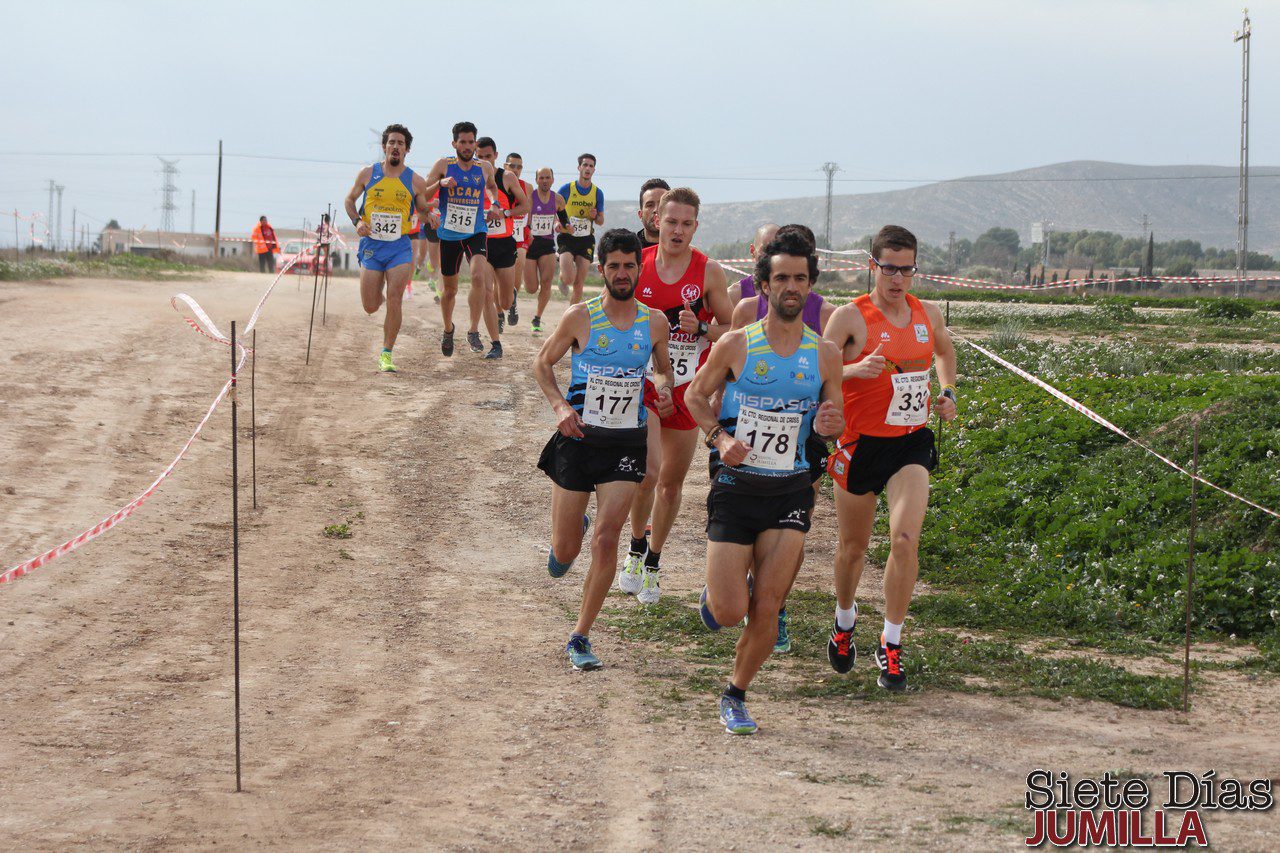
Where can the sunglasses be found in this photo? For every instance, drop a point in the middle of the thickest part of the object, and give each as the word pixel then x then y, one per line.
pixel 891 270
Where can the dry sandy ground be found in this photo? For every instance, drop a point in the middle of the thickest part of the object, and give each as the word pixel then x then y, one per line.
pixel 416 694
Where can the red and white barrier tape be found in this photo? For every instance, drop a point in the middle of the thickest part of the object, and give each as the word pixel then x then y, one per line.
pixel 210 331
pixel 981 284
pixel 1097 418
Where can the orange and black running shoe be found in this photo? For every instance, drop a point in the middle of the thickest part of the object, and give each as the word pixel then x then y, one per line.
pixel 841 650
pixel 889 659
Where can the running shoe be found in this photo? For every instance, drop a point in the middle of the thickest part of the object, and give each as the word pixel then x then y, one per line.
pixel 705 612
pixel 564 288
pixel 629 579
pixel 580 654
pixel 446 342
pixel 502 321
pixel 384 363
pixel 782 645
pixel 650 589
pixel 495 351
pixel 473 341
pixel 513 315
pixel 536 326
pixel 841 650
pixel 733 713
pixel 889 659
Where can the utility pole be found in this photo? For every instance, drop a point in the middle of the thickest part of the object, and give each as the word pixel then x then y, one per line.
pixel 830 169
pixel 57 237
pixel 168 190
pixel 1047 231
pixel 193 211
pixel 48 223
pixel 1242 216
pixel 1146 225
pixel 217 215
pixel 951 253
pixel 73 229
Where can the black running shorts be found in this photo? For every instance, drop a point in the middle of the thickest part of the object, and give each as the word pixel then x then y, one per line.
pixel 866 465
pixel 502 252
pixel 452 251
pixel 540 247
pixel 740 517
pixel 579 247
pixel 580 467
pixel 430 234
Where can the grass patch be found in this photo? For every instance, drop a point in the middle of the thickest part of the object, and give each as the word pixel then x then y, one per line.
pixel 828 829
pixel 338 531
pixel 94 266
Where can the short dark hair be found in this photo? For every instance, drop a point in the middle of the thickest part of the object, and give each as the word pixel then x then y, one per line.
pixel 400 129
pixel 262 218
pixel 653 184
pixel 590 157
pixel 803 230
pixel 892 237
pixel 463 127
pixel 515 155
pixel 487 142
pixel 618 240
pixel 791 243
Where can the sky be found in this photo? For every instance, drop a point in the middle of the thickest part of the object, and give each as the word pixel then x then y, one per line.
pixel 742 100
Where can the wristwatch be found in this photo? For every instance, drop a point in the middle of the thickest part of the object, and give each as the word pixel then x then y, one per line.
pixel 703 329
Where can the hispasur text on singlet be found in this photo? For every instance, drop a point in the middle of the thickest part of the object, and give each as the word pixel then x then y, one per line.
pixel 688 352
pixel 606 384
pixel 462 205
pixel 896 402
pixel 770 407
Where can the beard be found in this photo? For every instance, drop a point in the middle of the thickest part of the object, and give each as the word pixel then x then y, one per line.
pixel 787 311
pixel 394 160
pixel 618 292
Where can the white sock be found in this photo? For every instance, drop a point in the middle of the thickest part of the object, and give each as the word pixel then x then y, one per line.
pixel 845 618
pixel 893 633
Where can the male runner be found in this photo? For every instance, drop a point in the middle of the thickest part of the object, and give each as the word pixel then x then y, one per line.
pixel 584 203
pixel 650 194
pixel 781 382
pixel 546 207
pixel 817 311
pixel 889 340
pixel 682 282
pixel 391 192
pixel 500 272
pixel 744 286
pixel 519 230
pixel 463 231
pixel 600 443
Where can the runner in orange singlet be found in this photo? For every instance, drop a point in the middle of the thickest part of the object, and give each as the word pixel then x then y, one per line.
pixel 890 341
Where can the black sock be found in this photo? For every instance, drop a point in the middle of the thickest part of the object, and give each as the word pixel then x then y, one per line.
pixel 651 561
pixel 639 546
pixel 734 693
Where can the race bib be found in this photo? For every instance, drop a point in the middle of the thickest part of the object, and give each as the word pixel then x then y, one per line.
pixel 581 227
pixel 459 218
pixel 910 403
pixel 518 229
pixel 772 437
pixel 613 402
pixel 541 224
pixel 384 226
pixel 684 358
pixel 496 230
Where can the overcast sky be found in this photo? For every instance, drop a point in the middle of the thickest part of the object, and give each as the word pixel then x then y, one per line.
pixel 722 92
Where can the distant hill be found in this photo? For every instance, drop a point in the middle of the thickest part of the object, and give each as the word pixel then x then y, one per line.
pixel 1076 195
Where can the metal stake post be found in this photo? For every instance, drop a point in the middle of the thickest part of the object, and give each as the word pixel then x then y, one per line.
pixel 235 548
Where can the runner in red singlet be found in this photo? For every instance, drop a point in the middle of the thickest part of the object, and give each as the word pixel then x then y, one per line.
pixel 520 231
pixel 890 341
pixel 691 290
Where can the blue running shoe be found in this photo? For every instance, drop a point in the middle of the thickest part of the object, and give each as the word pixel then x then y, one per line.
pixel 557 569
pixel 705 612
pixel 733 713
pixel 580 654
pixel 782 645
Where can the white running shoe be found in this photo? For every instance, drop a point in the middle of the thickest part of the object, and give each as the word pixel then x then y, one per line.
pixel 629 580
pixel 650 590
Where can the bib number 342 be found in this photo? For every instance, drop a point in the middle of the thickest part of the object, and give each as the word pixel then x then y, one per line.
pixel 384 226
pixel 910 403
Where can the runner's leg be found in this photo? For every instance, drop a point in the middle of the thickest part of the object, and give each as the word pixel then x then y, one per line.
pixel 579 279
pixel 567 509
pixel 448 295
pixel 776 559
pixel 908 497
pixel 642 507
pixel 371 289
pixel 568 269
pixel 855 518
pixel 546 278
pixel 397 279
pixel 481 291
pixel 678 446
pixel 613 500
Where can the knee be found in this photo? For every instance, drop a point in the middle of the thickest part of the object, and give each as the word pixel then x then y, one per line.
pixel 669 487
pixel 567 550
pixel 727 614
pixel 904 543
pixel 851 551
pixel 449 288
pixel 605 539
pixel 371 306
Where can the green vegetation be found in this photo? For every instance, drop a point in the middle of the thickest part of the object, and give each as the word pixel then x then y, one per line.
pixel 99 266
pixel 338 531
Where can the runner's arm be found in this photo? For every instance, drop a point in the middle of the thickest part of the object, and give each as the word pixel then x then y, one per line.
pixel 423 192
pixel 493 213
pixel 744 313
pixel 828 423
pixel 708 381
pixel 660 333
pixel 735 294
pixel 516 193
pixel 715 290
pixel 824 316
pixel 353 213
pixel 944 356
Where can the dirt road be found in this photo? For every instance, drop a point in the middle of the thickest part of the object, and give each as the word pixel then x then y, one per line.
pixel 407 687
